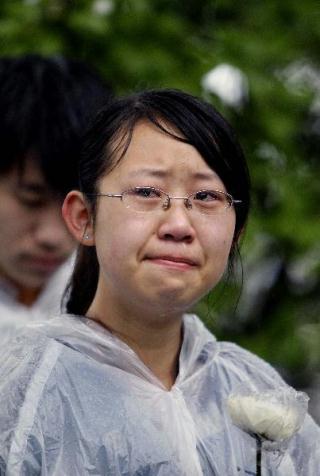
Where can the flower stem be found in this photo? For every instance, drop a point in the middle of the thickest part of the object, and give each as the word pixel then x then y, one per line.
pixel 259 455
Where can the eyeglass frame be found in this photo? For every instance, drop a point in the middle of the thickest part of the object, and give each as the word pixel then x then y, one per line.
pixel 167 204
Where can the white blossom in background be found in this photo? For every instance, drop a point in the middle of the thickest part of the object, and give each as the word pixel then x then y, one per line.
pixel 270 152
pixel 302 272
pixel 301 75
pixel 227 82
pixel 274 415
pixel 102 7
pixel 315 106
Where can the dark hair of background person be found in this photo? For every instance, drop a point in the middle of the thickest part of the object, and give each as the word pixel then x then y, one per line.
pixel 178 114
pixel 45 105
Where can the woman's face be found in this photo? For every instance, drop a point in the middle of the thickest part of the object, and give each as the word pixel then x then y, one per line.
pixel 167 259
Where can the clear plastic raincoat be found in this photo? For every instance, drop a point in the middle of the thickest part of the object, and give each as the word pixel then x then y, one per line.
pixel 76 400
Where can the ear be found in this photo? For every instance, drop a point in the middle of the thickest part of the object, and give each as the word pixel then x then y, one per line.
pixel 78 218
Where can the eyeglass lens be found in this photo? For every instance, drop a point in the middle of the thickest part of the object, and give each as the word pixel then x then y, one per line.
pixel 144 199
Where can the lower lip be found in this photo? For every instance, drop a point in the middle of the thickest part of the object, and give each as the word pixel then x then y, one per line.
pixel 44 265
pixel 181 265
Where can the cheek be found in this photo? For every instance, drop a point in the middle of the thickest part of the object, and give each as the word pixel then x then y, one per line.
pixel 121 236
pixel 14 224
pixel 217 242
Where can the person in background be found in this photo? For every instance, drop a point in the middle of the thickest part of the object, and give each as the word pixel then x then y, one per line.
pixel 45 105
pixel 129 382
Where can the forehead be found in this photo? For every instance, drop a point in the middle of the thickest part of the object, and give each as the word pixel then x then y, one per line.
pixel 28 179
pixel 154 152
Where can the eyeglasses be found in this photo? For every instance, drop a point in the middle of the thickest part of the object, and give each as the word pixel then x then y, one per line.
pixel 150 199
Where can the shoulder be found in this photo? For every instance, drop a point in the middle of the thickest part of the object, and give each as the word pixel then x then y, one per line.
pixel 30 395
pixel 32 355
pixel 223 362
pixel 233 359
pixel 238 359
pixel 25 363
pixel 239 368
pixel 228 362
pixel 37 353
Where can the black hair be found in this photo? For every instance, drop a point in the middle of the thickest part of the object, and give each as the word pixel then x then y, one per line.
pixel 180 115
pixel 45 106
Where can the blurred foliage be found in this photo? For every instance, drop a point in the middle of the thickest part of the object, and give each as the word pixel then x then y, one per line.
pixel 169 43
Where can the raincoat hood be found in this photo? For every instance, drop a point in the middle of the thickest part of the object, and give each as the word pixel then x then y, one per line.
pixel 90 338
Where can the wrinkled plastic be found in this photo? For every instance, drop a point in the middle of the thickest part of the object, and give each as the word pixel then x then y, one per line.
pixel 75 400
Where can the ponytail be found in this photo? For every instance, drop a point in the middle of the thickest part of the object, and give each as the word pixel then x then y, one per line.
pixel 83 282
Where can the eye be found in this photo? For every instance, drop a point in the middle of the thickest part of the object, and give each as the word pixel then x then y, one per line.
pixel 209 196
pixel 146 192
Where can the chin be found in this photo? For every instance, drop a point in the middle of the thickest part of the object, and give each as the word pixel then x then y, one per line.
pixel 176 299
pixel 32 283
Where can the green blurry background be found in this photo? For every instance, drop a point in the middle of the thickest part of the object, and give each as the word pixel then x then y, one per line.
pixel 274 47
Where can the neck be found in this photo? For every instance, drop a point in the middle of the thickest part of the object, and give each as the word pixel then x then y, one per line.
pixel 27 297
pixel 155 339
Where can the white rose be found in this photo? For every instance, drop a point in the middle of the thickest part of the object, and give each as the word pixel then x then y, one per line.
pixel 275 415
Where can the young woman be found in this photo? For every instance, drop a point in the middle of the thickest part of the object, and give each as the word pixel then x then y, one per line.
pixel 127 383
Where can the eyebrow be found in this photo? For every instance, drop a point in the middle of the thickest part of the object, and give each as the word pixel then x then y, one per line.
pixel 163 173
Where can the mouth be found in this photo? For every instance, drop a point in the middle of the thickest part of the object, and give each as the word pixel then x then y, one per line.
pixel 44 264
pixel 179 262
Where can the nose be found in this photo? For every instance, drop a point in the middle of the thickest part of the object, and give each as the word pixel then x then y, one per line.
pixel 50 231
pixel 175 224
